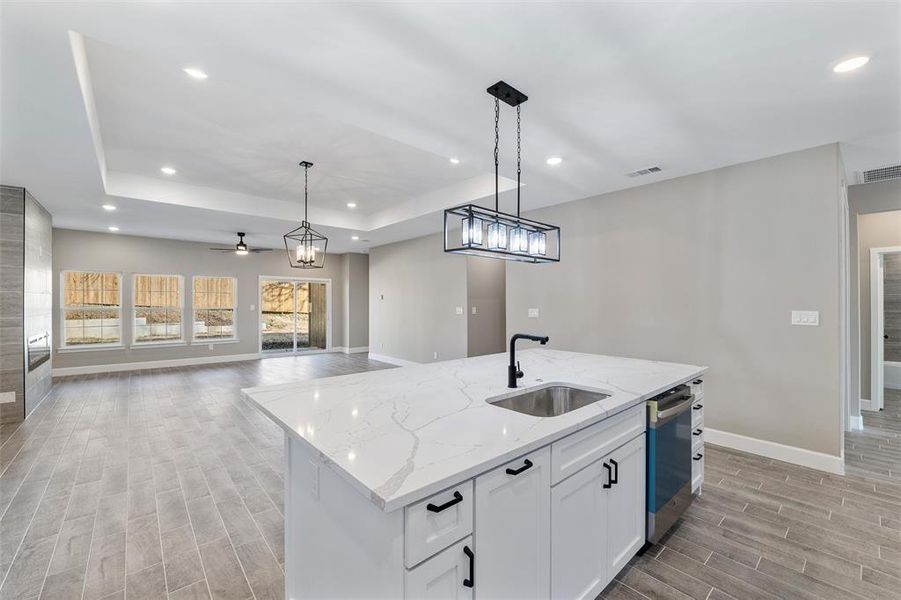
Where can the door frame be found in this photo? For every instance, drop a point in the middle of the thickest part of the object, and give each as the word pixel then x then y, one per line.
pixel 328 314
pixel 877 325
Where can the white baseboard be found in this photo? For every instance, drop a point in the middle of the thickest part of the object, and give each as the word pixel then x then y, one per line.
pixel 856 423
pixel 391 360
pixel 152 364
pixel 354 350
pixel 789 454
pixel 865 404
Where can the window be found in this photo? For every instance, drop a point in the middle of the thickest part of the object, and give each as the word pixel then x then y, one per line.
pixel 214 308
pixel 92 309
pixel 157 303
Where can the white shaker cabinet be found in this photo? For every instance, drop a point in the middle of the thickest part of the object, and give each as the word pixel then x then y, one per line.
pixel 626 504
pixel 513 530
pixel 579 534
pixel 445 576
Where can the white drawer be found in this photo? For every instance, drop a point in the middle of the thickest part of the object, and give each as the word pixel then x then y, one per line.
pixel 582 448
pixel 697 414
pixel 697 387
pixel 697 471
pixel 444 576
pixel 437 522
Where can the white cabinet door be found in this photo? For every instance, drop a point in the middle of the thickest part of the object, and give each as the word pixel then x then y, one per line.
pixel 445 576
pixel 578 533
pixel 513 529
pixel 626 504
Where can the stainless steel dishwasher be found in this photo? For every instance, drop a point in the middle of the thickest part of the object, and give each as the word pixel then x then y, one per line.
pixel 669 459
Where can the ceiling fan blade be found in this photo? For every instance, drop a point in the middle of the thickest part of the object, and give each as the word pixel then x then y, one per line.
pixel 260 250
pixel 222 249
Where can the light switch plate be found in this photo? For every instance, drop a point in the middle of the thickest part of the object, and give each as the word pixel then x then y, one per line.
pixel 474 311
pixel 533 313
pixel 6 397
pixel 808 318
pixel 459 310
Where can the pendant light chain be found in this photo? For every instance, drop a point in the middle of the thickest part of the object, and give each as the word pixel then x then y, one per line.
pixel 497 118
pixel 518 158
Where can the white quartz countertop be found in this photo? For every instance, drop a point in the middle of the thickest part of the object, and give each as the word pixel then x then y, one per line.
pixel 400 435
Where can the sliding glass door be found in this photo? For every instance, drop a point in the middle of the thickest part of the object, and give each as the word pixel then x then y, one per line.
pixel 293 315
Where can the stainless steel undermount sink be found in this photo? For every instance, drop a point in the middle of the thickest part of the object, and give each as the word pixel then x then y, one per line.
pixel 550 401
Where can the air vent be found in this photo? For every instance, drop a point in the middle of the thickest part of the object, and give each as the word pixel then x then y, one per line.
pixel 641 172
pixel 881 174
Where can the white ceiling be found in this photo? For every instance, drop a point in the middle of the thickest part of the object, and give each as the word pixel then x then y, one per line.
pixel 379 96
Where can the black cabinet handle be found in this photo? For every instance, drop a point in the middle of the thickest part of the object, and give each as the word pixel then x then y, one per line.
pixel 471 580
pixel 697 382
pixel 615 479
pixel 609 484
pixel 525 465
pixel 698 456
pixel 697 407
pixel 458 497
pixel 697 432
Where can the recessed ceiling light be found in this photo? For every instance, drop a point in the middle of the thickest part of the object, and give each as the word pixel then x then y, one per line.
pixel 351 205
pixel 455 161
pixel 851 64
pixel 554 160
pixel 109 207
pixel 168 170
pixel 113 228
pixel 195 73
pixel 355 237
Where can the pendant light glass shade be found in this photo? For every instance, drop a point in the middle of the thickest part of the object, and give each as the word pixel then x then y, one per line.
pixel 537 243
pixel 305 246
pixel 472 231
pixel 497 236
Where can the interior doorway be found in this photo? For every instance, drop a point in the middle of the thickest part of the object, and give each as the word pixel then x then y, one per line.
pixel 294 315
pixel 885 324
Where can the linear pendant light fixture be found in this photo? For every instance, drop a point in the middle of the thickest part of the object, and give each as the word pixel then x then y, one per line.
pixel 305 246
pixel 479 231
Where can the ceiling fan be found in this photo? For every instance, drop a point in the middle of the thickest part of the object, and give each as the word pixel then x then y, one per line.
pixel 241 248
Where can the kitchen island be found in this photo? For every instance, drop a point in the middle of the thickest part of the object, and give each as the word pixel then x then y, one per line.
pixel 408 482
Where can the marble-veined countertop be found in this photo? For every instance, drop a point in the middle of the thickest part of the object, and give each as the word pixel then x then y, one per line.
pixel 400 435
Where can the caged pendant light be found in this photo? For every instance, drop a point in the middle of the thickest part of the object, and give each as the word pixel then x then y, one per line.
pixel 305 246
pixel 479 231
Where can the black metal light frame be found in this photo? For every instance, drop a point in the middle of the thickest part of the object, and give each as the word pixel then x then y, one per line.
pixel 305 234
pixel 468 212
pixel 488 217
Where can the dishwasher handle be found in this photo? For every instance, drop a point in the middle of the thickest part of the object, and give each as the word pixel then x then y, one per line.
pixel 675 410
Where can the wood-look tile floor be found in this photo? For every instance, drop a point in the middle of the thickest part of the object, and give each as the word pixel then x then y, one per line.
pixel 151 485
pixel 876 450
pixel 165 484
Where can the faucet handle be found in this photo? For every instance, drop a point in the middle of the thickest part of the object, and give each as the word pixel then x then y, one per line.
pixel 519 372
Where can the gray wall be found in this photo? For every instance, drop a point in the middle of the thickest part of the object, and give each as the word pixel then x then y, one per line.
pixel 356 300
pixel 867 232
pixel 705 269
pixel 81 250
pixel 38 294
pixel 12 295
pixel 414 291
pixel 486 292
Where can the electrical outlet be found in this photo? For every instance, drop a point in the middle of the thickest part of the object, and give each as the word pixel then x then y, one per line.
pixel 211 347
pixel 809 318
pixel 252 307
pixel 533 313
pixel 435 355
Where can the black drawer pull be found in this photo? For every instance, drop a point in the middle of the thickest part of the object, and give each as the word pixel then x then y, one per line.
pixel 697 432
pixel 458 497
pixel 615 479
pixel 697 382
pixel 609 483
pixel 525 465
pixel 697 407
pixel 697 456
pixel 471 580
